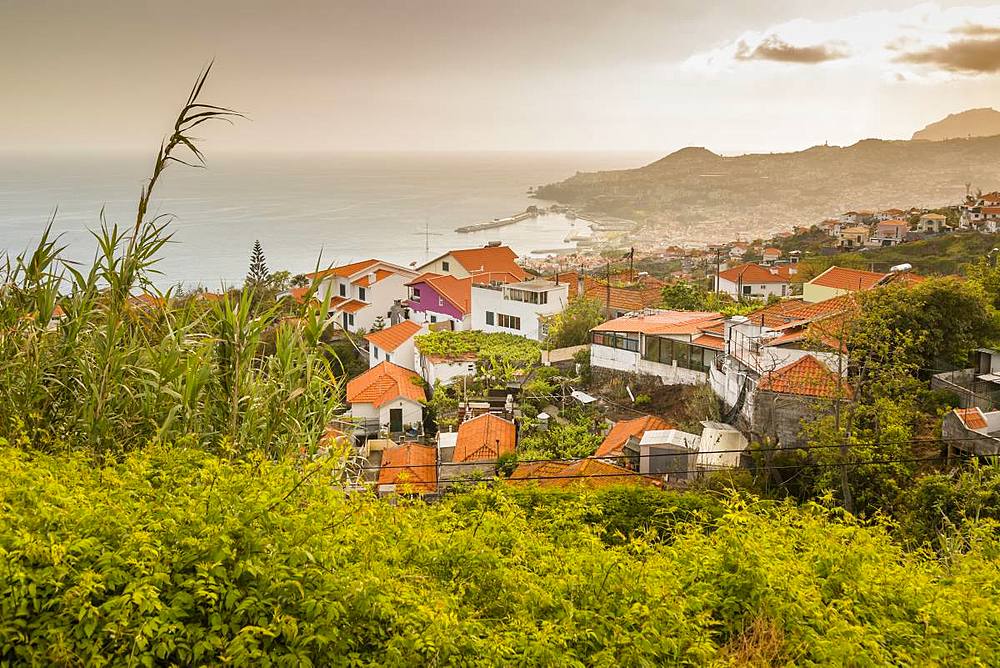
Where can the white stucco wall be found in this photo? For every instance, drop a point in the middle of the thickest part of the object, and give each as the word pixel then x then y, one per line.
pixel 623 360
pixel 402 356
pixel 485 299
pixel 757 290
pixel 413 412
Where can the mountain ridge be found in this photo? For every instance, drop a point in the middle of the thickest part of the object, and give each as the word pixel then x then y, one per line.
pixel 759 193
pixel 980 122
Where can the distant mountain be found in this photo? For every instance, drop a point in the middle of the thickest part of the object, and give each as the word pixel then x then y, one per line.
pixel 983 122
pixel 696 195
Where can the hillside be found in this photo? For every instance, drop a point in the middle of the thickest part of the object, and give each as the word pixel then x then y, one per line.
pixel 983 122
pixel 757 194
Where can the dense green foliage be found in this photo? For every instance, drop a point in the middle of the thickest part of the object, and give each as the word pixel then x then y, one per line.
pixel 499 348
pixel 572 326
pixel 175 556
pixel 685 296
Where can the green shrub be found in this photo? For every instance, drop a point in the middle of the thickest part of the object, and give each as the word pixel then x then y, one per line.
pixel 174 556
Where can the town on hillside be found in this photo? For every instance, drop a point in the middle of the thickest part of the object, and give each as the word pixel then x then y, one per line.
pixel 479 366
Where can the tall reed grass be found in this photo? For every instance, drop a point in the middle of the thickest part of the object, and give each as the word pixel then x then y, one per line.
pixel 95 357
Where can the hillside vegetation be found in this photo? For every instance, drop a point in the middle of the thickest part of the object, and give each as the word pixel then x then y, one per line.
pixel 175 556
pixel 751 194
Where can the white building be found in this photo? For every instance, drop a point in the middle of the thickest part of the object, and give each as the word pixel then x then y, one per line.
pixel 363 292
pixel 676 346
pixel 386 398
pixel 394 344
pixel 518 308
pixel 751 281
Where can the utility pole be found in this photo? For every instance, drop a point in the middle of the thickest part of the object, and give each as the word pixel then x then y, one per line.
pixel 718 263
pixel 631 260
pixel 607 288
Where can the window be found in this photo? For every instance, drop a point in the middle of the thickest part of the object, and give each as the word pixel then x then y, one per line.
pixel 362 293
pixel 343 290
pixel 489 318
pixel 508 321
pixel 415 296
pixel 374 352
pixel 445 265
pixel 434 318
pixel 669 351
pixel 440 301
pixel 622 341
pixel 350 319
pixel 747 289
pixel 388 357
pixel 528 297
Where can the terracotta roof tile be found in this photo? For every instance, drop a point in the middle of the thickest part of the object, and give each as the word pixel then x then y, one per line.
pixel 754 273
pixel 589 472
pixel 843 278
pixel 972 418
pixel 351 306
pixel 709 341
pixel 807 377
pixel 345 270
pixel 411 467
pixel 485 437
pixel 390 338
pixel 490 263
pixel 384 383
pixel 623 430
pixel 458 291
pixel 662 322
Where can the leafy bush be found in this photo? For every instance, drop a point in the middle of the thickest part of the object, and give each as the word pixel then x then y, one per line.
pixel 174 556
pixel 500 347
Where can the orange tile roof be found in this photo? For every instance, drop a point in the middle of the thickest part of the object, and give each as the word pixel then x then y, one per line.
pixel 623 430
pixel 345 270
pixel 589 472
pixel 843 278
pixel 753 273
pixel 384 383
pixel 972 418
pixel 298 294
pixel 485 437
pixel 390 338
pixel 458 291
pixel 709 341
pixel 411 467
pixel 662 322
pixel 366 280
pixel 490 263
pixel 807 377
pixel 622 299
pixel 351 306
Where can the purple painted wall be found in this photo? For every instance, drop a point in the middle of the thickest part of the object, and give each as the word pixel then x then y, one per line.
pixel 431 301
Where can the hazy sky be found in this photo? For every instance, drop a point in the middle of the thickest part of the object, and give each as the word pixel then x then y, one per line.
pixel 483 74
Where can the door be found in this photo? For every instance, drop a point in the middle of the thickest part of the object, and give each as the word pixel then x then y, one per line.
pixel 395 420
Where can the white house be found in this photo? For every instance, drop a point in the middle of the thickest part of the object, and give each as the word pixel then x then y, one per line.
pixel 492 263
pixel 889 233
pixel 394 344
pixel 756 282
pixel 387 397
pixel 362 292
pixel 518 308
pixel 676 346
pixel 932 223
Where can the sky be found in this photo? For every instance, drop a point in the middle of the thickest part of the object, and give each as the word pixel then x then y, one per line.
pixel 476 75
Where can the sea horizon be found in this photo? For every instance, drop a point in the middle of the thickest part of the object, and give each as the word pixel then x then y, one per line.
pixel 307 209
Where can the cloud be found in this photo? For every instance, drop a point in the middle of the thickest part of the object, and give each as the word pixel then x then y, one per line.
pixel 776 49
pixel 973 30
pixel 923 43
pixel 970 56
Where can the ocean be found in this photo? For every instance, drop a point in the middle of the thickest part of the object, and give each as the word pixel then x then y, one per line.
pixel 306 210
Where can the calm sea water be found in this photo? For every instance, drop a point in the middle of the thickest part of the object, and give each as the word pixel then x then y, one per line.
pixel 343 207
